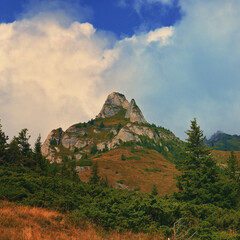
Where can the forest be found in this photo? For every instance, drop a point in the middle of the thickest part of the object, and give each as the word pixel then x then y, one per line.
pixel 206 205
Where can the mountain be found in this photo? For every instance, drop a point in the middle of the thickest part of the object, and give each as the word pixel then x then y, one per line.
pixel 130 152
pixel 224 142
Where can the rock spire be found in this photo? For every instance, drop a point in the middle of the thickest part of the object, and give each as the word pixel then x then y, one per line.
pixel 134 113
pixel 115 101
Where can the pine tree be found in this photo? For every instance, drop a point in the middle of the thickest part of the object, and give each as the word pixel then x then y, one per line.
pixel 102 125
pixel 41 162
pixel 3 146
pixel 95 177
pixel 123 158
pixel 154 191
pixel 14 156
pixel 23 143
pixel 199 171
pixel 233 167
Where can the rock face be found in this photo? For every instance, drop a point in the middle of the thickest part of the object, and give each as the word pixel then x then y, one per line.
pixel 134 113
pixel 132 132
pixel 79 139
pixel 53 138
pixel 114 103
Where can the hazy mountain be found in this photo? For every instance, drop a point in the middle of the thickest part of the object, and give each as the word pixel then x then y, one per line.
pixel 224 142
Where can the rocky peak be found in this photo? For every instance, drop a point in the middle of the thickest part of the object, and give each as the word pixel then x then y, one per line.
pixel 134 113
pixel 215 137
pixel 115 101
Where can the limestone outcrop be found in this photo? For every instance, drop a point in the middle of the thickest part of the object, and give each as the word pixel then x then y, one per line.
pixel 134 113
pixel 79 139
pixel 53 139
pixel 114 103
pixel 132 132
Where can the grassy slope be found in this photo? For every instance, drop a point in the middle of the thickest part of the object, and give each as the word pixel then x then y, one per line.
pixel 222 156
pixel 141 169
pixel 27 223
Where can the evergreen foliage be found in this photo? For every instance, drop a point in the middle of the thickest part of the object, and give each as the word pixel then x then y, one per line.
pixel 200 181
pixel 3 146
pixel 94 149
pixel 58 186
pixel 233 167
pixel 119 127
pixel 37 155
pixel 102 125
pixel 14 156
pixel 23 143
pixel 95 179
pixel 154 191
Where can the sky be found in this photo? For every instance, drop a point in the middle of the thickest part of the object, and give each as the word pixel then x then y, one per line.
pixel 179 59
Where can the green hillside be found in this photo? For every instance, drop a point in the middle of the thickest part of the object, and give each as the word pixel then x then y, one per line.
pixel 224 142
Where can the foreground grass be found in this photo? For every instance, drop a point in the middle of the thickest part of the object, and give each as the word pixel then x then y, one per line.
pixel 25 223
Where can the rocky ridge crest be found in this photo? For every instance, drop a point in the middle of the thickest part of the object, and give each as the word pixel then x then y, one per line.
pixel 108 131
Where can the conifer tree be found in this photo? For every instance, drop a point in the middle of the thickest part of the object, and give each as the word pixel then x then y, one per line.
pixel 154 190
pixel 199 170
pixel 95 177
pixel 14 156
pixel 233 167
pixel 37 154
pixel 23 143
pixel 3 146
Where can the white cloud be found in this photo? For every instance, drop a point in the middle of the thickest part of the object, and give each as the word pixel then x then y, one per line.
pixel 55 74
pixel 49 73
pixel 160 35
pixel 195 75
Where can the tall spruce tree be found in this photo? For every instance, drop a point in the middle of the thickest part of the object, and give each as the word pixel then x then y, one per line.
pixel 199 171
pixel 95 179
pixel 14 156
pixel 233 167
pixel 22 139
pixel 41 162
pixel 3 146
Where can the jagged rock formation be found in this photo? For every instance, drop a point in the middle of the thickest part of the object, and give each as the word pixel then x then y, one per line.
pixel 134 113
pixel 53 139
pixel 79 139
pixel 117 101
pixel 114 103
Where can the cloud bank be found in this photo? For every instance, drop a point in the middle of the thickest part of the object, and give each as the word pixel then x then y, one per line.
pixel 55 72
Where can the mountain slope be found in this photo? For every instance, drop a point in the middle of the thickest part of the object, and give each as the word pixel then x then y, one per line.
pixel 224 142
pixel 119 129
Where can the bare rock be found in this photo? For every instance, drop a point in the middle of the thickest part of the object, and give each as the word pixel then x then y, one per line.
pixel 134 113
pixel 78 156
pixel 96 131
pixel 142 130
pixel 68 141
pixel 82 169
pixel 81 144
pixel 114 131
pixel 122 186
pixel 114 103
pixel 54 136
pixel 102 145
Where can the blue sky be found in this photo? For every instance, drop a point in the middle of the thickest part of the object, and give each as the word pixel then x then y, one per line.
pixel 121 17
pixel 178 59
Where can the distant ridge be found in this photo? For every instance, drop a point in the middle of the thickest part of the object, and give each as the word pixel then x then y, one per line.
pixel 224 142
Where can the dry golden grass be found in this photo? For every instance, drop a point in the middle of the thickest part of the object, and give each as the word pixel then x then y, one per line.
pixel 139 170
pixel 222 156
pixel 28 223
